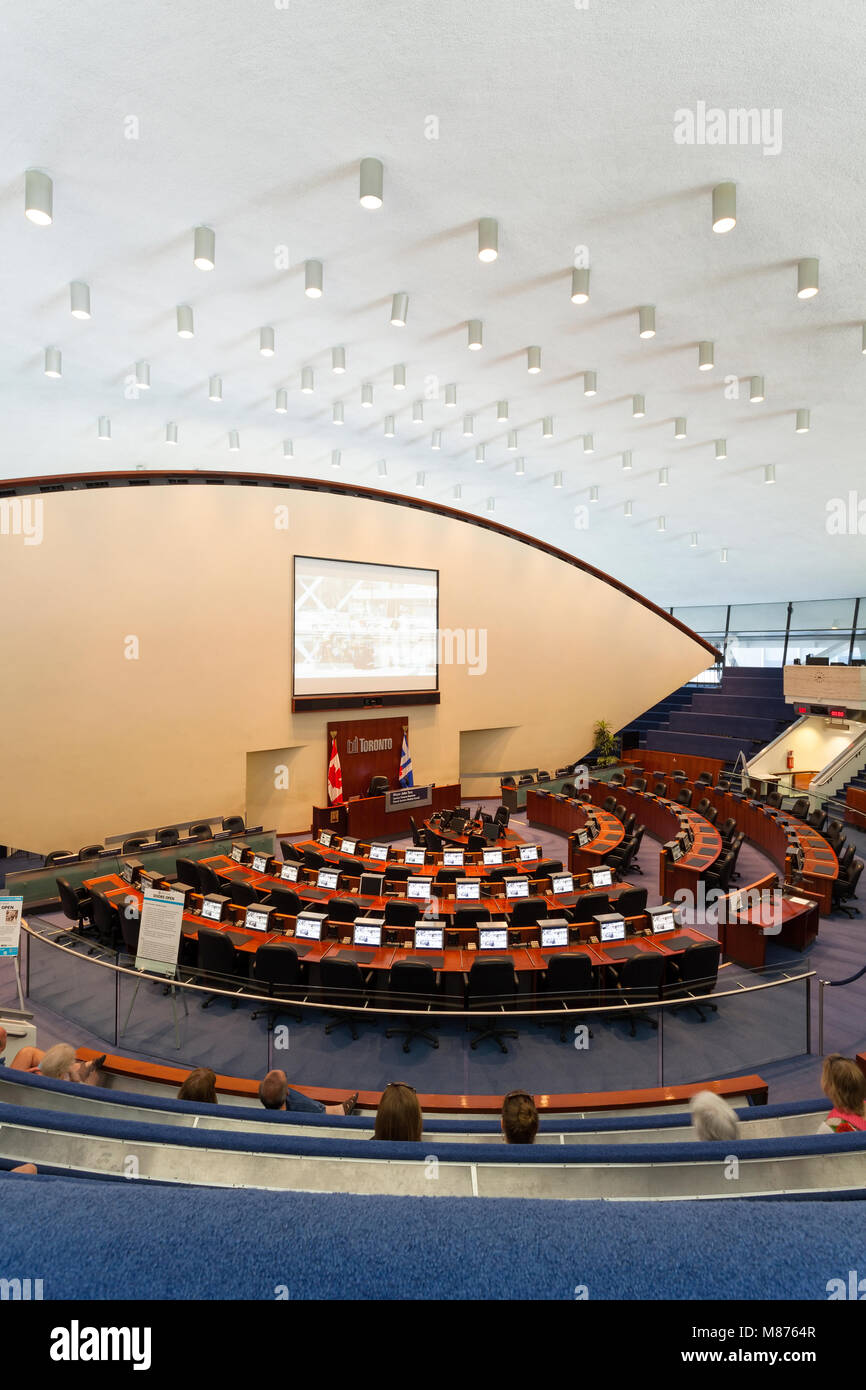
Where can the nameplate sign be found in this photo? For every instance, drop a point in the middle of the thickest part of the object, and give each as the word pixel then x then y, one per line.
pixel 10 925
pixel 403 798
pixel 159 934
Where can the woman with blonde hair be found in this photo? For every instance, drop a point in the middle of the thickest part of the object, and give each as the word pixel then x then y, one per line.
pixel 844 1084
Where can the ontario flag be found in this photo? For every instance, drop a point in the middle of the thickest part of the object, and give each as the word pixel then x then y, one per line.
pixel 406 778
pixel 335 776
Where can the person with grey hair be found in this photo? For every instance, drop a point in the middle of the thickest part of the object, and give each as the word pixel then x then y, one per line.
pixel 58 1062
pixel 712 1117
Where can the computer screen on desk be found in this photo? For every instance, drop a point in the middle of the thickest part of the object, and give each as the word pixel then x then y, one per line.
pixel 290 872
pixel 452 858
pixel 257 918
pixel 662 918
pixel 528 854
pixel 309 926
pixel 492 856
pixel 213 907
pixel 601 876
pixel 237 854
pixel 348 846
pixel 493 938
pixel 554 936
pixel 611 927
pixel 581 837
pixel 371 885
pixel 367 932
pixel 327 878
pixel 467 889
pixel 415 856
pixel 379 852
pixel 517 887
pixel 429 938
pixel 260 863
pixel 561 883
pixel 418 888
pixel 325 838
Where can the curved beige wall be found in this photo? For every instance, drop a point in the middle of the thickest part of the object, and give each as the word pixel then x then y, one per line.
pixel 94 744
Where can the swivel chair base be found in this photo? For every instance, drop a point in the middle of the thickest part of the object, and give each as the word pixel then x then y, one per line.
pixel 491 1032
pixel 413 1031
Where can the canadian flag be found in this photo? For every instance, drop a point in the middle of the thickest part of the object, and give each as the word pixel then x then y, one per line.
pixel 335 776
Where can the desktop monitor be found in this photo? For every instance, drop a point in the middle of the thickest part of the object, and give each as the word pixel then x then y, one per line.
pixel 348 846
pixel 602 876
pixel 367 931
pixel 371 885
pixel 213 906
pixel 561 883
pixel 554 932
pixel 662 918
pixel 258 918
pixel 611 927
pixel 418 888
pixel 582 837
pixel 261 863
pixel 415 856
pixel 328 878
pixel 238 853
pixel 290 872
pixel 491 829
pixel 517 887
pixel 309 925
pixel 325 838
pixel 674 849
pixel 528 854
pixel 452 858
pixel 493 938
pixel 379 852
pixel 491 856
pixel 467 889
pixel 429 938
pixel 130 868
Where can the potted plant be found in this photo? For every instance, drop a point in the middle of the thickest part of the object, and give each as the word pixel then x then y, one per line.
pixel 605 745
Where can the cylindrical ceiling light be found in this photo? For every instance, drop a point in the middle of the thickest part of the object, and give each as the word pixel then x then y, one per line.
pixel 863 339
pixel 756 390
pixel 557 480
pixel 38 197
pixel 807 278
pixel 661 524
pixel 53 365
pixel 533 360
pixel 288 449
pixel 281 405
pixel 769 473
pixel 706 357
pixel 104 427
pixel 628 509
pixel 337 413
pixel 468 426
pixel 479 453
pixel 501 410
pixel 142 376
pixel 512 441
pixel 802 426
pixel 338 360
pixel 234 441
pixel 593 494
pixel 520 466
pixel 185 326
pixel 336 458
pixel 436 440
pixel 215 389
pixel 367 395
pixel 418 412
pixel 458 490
pixel 307 381
pixel 724 207
pixel 488 239
pixel 664 477
pixel 547 427
pixel 79 300
pixel 313 279
pixel 475 333
pixel 399 310
pixel 372 182
pixel 647 321
pixel 638 407
pixel 626 461
pixel 580 285
pixel 171 433
pixel 266 342
pixel 693 540
pixel 451 394
pixel 590 383
pixel 399 377
pixel 491 504
pixel 390 431
pixel 420 479
pixel 680 427
pixel 723 555
pixel 721 448
pixel 204 248
pixel 588 444
pixel 382 468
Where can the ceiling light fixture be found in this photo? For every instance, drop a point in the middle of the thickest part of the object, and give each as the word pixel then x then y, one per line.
pixel 142 376
pixel 468 426
pixel 557 480
pixel 724 207
pixel 488 239
pixel 647 321
pixel 79 300
pixel 803 421
pixel 756 390
pixel 626 461
pixel 399 310
pixel 436 440
pixel 590 383
pixel 475 331
pixel 185 326
pixel 638 407
pixel 512 441
pixel 533 360
pixel 282 401
pixel 451 394
pixel 390 431
pixel 721 448
pixel 215 389
pixel 104 427
pixel 372 179
pixel 520 466
pixel 547 427
pixel 337 413
pixel 338 360
pixel 588 444
pixel 479 453
pixel 769 473
pixel 171 433
pixel 580 285
pixel 501 411
pixel 266 342
pixel 367 395
pixel 307 381
pixel 313 279
pixel 706 357
pixel 234 441
pixel 204 248
pixel 336 458
pixel 399 377
pixel 807 278
pixel 418 412
pixel 38 198
pixel 288 449
pixel 53 365
pixel 680 427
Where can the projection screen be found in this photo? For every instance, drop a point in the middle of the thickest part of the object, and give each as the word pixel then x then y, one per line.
pixel 364 629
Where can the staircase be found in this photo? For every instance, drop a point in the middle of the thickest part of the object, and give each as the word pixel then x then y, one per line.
pixel 744 713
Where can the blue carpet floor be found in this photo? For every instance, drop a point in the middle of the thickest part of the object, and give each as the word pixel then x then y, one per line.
pixel 92 1240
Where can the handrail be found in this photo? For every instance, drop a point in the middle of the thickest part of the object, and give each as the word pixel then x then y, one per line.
pixel 854 750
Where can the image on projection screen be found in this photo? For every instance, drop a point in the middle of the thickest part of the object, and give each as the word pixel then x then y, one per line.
pixel 364 629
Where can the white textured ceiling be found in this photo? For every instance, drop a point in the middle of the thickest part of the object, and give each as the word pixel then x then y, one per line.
pixel 556 120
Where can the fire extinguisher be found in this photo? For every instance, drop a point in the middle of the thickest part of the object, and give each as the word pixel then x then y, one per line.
pixel 790 760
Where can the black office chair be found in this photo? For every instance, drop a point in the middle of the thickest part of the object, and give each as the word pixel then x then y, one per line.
pixel 343 984
pixel 105 917
pixel 217 956
pixel 800 808
pixel 711 813
pixel 845 887
pixel 621 860
pixel 774 800
pixel 720 875
pixel 416 833
pixel 241 894
pixel 569 789
pixel 400 913
pixel 704 779
pixel 630 902
pixel 620 812
pixel 678 774
pixel 735 846
pixel 200 831
pixel 639 784
pixel 694 971
pixel 291 853
pixel 432 841
pixel 477 843
pixel 507 782
pixel 342 910
pixel 187 871
pixel 568 983
pixel 524 779
pixel 209 879
pixel 349 867
pixel 398 873
pixel 168 836
pixel 590 905
pixel 728 830
pixel 90 851
pixel 543 868
pixel 629 824
pixel 609 804
pixel 817 820
pixel 277 968
pixel 617 779
pixel 846 858
pixel 413 985
pixel 285 900
pixel 133 843
pixel 525 912
pixel 74 903
pixel 234 825
pixel 490 985
pixel 470 916
pixel 378 786
pixel 660 789
pixel 684 797
pixel 638 980
pixel 543 776
pixel 55 854
pixel 313 859
pixel 130 926
pixel 502 816
pixel 703 806
pixel 445 876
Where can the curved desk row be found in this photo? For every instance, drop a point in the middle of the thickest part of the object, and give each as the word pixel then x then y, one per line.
pixel 664 819
pixel 568 815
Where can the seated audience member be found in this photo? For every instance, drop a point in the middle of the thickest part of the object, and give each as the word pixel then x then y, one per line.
pixel 58 1062
pixel 200 1085
pixel 844 1084
pixel 519 1118
pixel 3 1041
pixel 275 1093
pixel 25 1168
pixel 399 1114
pixel 712 1117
